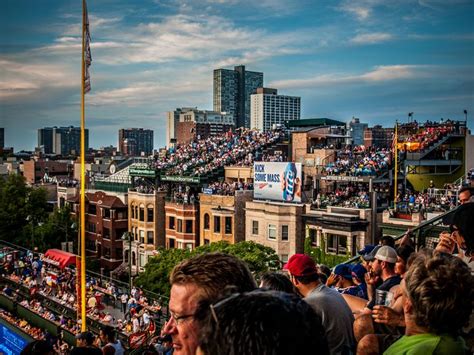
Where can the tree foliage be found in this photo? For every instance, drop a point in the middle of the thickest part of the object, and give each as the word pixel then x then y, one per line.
pixel 155 278
pixel 24 217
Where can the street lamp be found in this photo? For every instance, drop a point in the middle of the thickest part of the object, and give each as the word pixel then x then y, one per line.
pixel 127 236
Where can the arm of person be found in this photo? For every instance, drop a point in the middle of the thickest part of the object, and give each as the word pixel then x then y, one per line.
pixel 387 315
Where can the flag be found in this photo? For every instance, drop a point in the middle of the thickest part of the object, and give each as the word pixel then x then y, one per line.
pixel 87 51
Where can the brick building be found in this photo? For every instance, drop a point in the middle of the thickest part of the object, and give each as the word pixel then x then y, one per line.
pixel 106 221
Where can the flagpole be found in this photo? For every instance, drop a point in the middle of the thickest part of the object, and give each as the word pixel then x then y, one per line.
pixel 83 182
pixel 396 166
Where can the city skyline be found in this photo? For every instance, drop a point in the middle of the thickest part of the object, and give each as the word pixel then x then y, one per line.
pixel 369 59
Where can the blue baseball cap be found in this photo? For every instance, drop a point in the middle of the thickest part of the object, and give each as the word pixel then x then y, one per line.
pixel 343 270
pixel 366 250
pixel 359 272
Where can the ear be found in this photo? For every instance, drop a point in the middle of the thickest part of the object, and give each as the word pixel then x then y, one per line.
pixel 408 306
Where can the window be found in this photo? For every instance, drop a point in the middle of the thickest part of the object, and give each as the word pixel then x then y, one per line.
pixel 136 212
pixel 217 224
pixel 121 215
pixel 118 253
pixel 284 232
pixel 206 241
pixel 206 221
pixel 228 225
pixel 142 213
pixel 91 209
pixel 189 246
pixel 132 209
pixel 189 226
pixel 180 226
pixel 284 258
pixel 336 244
pixel 272 231
pixel 149 237
pixel 142 260
pixel 254 227
pixel 106 254
pixel 150 214
pixel 107 213
pixel 90 245
pixel 171 223
pixel 90 227
pixel 106 233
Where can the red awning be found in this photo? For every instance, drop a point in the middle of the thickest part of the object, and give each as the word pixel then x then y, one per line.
pixel 59 258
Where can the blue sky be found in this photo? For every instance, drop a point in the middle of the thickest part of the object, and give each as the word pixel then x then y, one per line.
pixel 373 59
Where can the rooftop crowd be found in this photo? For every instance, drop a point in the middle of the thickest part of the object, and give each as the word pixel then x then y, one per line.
pixel 359 161
pixel 426 134
pixel 203 156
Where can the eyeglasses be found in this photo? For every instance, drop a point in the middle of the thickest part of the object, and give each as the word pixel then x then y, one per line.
pixel 180 319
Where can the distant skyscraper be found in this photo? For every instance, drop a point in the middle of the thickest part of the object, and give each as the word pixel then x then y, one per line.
pixel 135 141
pixel 62 140
pixel 2 137
pixel 268 108
pixel 232 90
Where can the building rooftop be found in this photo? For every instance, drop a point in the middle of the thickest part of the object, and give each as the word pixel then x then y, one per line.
pixel 314 122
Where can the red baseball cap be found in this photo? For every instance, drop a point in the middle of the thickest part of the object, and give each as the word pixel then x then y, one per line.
pixel 301 265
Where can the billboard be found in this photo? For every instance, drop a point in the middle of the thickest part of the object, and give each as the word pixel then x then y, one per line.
pixel 277 181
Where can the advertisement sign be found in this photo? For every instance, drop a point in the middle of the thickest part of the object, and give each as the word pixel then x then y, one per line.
pixel 192 179
pixel 277 181
pixel 142 172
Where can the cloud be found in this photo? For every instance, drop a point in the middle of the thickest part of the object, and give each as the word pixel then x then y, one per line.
pixel 379 74
pixel 371 38
pixel 361 9
pixel 20 79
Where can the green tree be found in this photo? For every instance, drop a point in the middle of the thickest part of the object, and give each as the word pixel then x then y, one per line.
pixel 155 278
pixel 59 227
pixel 22 210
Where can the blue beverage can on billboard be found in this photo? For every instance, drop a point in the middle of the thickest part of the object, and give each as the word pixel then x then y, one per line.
pixel 289 178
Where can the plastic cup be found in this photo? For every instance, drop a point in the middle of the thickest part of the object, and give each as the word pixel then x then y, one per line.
pixel 383 298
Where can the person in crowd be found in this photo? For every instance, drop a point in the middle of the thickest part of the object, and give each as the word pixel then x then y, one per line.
pixel 277 281
pixel 403 254
pixel 203 278
pixel 107 336
pixel 324 272
pixel 387 240
pixel 438 293
pixel 85 345
pixel 358 278
pixel 165 345
pixel 466 194
pixel 341 280
pixel 328 303
pixel 246 323
pixel 461 236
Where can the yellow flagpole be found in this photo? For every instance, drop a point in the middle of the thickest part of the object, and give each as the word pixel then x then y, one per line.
pixel 83 182
pixel 396 166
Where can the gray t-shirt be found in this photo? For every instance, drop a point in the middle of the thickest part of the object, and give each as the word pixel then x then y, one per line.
pixel 336 316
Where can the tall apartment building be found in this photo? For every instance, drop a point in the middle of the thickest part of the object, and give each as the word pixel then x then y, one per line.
pixel 232 90
pixel 61 140
pixel 135 141
pixel 268 108
pixel 202 124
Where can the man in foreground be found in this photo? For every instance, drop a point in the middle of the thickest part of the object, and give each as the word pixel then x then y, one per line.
pixel 203 278
pixel 328 303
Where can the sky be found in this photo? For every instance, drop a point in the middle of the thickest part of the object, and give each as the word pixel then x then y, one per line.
pixel 372 59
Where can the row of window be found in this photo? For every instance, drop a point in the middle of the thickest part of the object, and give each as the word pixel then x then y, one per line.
pixel 272 231
pixel 177 225
pixel 106 212
pixel 140 212
pixel 139 235
pixel 217 224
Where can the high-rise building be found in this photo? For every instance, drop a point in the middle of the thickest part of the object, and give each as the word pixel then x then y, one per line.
pixel 267 108
pixel 356 131
pixel 135 141
pixel 62 140
pixel 232 90
pixel 2 137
